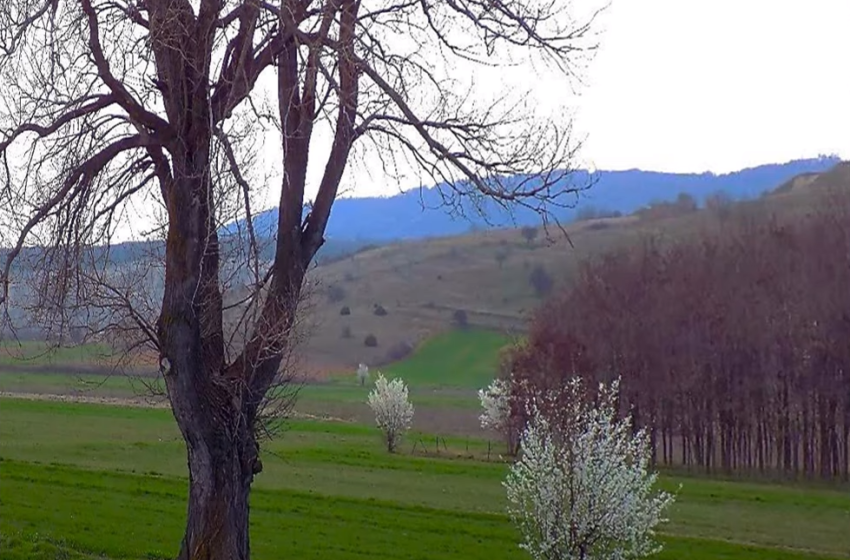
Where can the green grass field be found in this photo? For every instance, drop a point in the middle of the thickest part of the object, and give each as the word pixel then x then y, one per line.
pixel 459 358
pixel 447 401
pixel 82 481
pixel 28 353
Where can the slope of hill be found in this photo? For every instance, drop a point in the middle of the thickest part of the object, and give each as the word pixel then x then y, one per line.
pixel 495 277
pixel 419 213
pixel 422 283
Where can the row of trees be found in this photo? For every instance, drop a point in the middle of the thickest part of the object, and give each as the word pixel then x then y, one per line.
pixel 732 345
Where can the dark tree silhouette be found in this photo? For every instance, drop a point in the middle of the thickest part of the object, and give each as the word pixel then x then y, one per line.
pixel 541 280
pixel 124 111
pixel 529 233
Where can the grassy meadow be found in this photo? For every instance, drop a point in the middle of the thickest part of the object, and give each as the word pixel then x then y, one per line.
pixel 444 375
pixel 107 480
pixel 85 481
pixel 422 283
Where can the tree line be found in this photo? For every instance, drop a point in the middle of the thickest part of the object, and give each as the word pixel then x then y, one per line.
pixel 733 344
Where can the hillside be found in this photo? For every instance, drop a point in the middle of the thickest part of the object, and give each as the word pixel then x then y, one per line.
pixel 485 276
pixel 420 213
pixel 422 283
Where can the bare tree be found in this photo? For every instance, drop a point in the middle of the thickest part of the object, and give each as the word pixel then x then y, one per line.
pixel 117 113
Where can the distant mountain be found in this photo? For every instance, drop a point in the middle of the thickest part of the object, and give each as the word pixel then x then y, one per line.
pixel 418 212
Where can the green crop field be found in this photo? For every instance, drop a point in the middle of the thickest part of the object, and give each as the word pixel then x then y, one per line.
pixel 459 358
pixel 84 481
pixel 40 354
pixel 446 401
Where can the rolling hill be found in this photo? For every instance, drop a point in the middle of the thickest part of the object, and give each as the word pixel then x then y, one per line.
pixel 422 283
pixel 486 276
pixel 419 213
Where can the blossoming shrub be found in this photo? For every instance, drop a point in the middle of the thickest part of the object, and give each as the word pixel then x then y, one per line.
pixel 582 489
pixel 495 402
pixel 393 411
pixel 362 374
pixel 496 413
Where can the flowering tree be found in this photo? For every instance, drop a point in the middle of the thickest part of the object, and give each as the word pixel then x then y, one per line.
pixel 362 374
pixel 495 404
pixel 496 411
pixel 582 489
pixel 393 411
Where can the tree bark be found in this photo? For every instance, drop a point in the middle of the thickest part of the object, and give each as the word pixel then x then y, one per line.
pixel 220 479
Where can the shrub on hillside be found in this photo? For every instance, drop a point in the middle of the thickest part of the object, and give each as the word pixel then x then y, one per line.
pixel 345 310
pixel 501 256
pixel 371 340
pixel 379 310
pixel 398 351
pixel 335 293
pixel 593 213
pixel 596 226
pixel 720 204
pixel 541 281
pixel 529 233
pixel 460 318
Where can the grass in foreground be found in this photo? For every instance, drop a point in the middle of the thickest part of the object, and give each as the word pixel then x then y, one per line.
pixel 113 481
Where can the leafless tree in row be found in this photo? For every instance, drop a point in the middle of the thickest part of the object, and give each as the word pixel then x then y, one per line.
pixel 731 344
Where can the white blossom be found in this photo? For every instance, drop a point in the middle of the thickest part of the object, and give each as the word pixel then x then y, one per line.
pixel 393 411
pixel 362 374
pixel 495 402
pixel 582 489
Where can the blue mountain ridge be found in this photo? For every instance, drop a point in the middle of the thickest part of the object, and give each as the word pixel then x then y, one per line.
pixel 418 213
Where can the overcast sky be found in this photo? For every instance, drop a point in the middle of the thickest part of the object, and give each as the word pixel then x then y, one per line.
pixel 694 85
pixel 702 85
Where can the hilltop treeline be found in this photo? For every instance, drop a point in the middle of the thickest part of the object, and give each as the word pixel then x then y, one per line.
pixel 733 346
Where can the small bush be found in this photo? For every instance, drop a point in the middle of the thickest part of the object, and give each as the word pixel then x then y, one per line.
pixel 335 293
pixel 379 310
pixel 541 281
pixel 371 340
pixel 501 256
pixel 345 310
pixel 529 233
pixel 399 351
pixel 460 318
pixel 597 226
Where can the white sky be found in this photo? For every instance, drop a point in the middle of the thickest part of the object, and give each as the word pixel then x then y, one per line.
pixel 701 85
pixel 694 85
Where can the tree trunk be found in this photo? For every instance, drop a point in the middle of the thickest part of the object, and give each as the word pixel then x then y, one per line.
pixel 217 518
